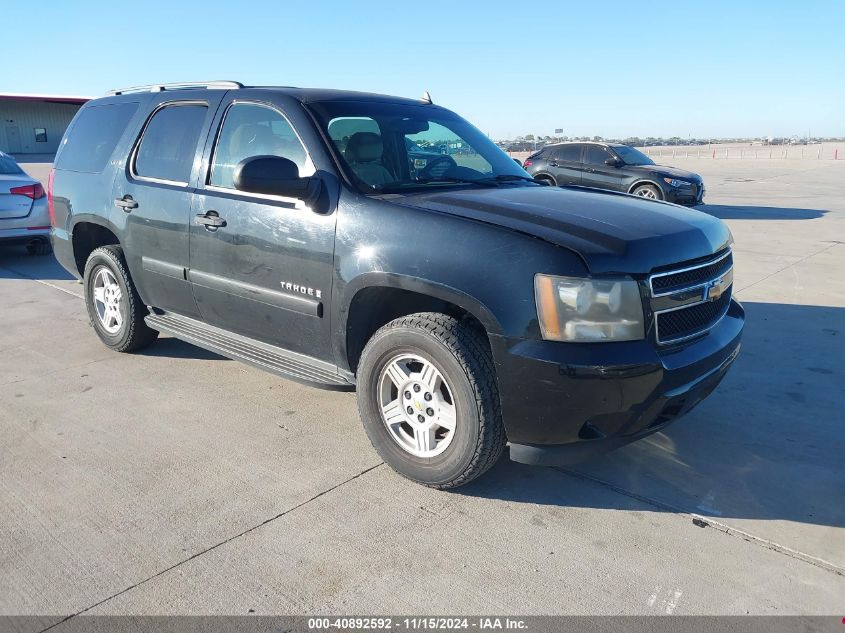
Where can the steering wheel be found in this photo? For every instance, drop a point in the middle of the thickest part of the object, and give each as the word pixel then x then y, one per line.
pixel 437 167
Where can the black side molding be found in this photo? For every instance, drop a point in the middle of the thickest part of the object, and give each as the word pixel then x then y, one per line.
pixel 296 303
pixel 163 268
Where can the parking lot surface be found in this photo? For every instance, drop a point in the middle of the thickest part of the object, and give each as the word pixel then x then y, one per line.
pixel 174 481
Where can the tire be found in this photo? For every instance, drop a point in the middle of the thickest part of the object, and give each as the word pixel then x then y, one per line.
pixel 465 396
pixel 647 191
pixel 549 180
pixel 39 247
pixel 125 329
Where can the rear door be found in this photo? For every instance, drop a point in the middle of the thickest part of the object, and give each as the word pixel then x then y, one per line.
pixel 597 173
pixel 266 273
pixel 152 197
pixel 565 164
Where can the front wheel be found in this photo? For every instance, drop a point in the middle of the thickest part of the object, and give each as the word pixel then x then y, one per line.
pixel 428 399
pixel 647 191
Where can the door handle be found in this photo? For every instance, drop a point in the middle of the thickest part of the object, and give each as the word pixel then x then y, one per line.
pixel 210 220
pixel 126 203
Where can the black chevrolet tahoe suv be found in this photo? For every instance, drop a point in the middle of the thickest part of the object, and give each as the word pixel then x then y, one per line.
pixel 469 305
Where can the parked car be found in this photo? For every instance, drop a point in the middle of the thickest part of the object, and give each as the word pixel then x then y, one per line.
pixel 23 209
pixel 469 305
pixel 614 167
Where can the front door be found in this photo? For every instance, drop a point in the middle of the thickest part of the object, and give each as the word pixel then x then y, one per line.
pixel 266 270
pixel 152 201
pixel 597 173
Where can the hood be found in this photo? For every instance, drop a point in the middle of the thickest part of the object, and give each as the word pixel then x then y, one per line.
pixel 613 233
pixel 665 170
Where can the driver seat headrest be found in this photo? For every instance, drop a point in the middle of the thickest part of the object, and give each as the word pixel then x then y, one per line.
pixel 364 147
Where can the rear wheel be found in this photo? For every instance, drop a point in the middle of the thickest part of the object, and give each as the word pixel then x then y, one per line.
pixel 428 399
pixel 647 191
pixel 114 307
pixel 546 180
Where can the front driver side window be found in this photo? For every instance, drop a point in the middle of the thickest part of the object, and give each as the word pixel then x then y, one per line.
pixel 251 129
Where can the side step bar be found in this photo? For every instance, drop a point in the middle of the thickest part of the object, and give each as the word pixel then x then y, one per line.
pixel 291 365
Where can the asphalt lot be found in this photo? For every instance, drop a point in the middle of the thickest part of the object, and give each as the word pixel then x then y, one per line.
pixel 174 481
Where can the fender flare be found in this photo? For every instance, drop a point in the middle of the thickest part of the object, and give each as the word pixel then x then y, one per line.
pixel 422 286
pixel 647 181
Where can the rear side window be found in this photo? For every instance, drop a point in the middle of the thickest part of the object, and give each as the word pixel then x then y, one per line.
pixel 8 165
pixel 169 143
pixel 568 153
pixel 91 141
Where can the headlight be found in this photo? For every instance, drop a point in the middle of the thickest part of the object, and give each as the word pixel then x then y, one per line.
pixel 676 183
pixel 584 310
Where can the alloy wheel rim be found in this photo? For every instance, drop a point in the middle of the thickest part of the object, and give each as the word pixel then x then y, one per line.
pixel 646 193
pixel 416 405
pixel 107 295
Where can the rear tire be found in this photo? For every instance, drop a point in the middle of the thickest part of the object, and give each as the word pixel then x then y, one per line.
pixel 647 191
pixel 114 307
pixel 548 180
pixel 448 431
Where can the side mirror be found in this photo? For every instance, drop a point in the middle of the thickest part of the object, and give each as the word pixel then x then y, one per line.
pixel 613 162
pixel 517 161
pixel 275 176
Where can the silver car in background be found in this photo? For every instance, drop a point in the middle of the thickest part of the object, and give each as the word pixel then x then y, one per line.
pixel 24 216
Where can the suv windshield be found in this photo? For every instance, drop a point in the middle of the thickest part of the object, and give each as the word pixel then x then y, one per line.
pixel 394 148
pixel 632 156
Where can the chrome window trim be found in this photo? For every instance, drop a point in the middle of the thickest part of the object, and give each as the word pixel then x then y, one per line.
pixel 134 154
pixel 294 202
pixel 651 278
pixel 210 167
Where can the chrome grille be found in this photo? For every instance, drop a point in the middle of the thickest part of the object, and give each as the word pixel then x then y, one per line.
pixel 685 278
pixel 689 301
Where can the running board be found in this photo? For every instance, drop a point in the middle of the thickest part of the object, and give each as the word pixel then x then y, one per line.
pixel 291 365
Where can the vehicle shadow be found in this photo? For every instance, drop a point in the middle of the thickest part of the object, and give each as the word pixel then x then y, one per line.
pixel 16 263
pixel 767 445
pixel 739 212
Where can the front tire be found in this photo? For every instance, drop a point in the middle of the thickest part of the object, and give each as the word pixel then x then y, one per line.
pixel 648 191
pixel 428 400
pixel 114 307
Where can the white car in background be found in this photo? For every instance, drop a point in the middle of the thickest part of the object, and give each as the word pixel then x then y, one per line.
pixel 24 215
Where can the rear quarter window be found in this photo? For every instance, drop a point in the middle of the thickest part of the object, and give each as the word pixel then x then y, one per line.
pixel 91 140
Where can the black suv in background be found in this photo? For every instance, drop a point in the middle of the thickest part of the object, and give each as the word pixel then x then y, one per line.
pixel 307 233
pixel 614 167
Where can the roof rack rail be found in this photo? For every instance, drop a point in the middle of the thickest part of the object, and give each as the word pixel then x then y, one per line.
pixel 211 85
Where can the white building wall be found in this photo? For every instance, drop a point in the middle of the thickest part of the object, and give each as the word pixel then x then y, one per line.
pixel 19 119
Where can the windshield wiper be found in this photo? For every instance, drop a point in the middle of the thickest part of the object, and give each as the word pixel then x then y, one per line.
pixel 511 178
pixel 448 179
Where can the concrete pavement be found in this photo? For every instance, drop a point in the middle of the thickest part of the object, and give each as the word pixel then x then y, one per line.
pixel 175 481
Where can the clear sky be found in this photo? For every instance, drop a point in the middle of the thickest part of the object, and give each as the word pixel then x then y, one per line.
pixel 592 67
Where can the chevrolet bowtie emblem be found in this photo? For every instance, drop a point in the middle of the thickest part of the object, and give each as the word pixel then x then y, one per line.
pixel 715 289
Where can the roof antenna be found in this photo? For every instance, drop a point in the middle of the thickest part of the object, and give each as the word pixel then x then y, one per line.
pixel 426 98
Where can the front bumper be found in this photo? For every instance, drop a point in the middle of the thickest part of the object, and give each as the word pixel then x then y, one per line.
pixel 564 402
pixel 689 196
